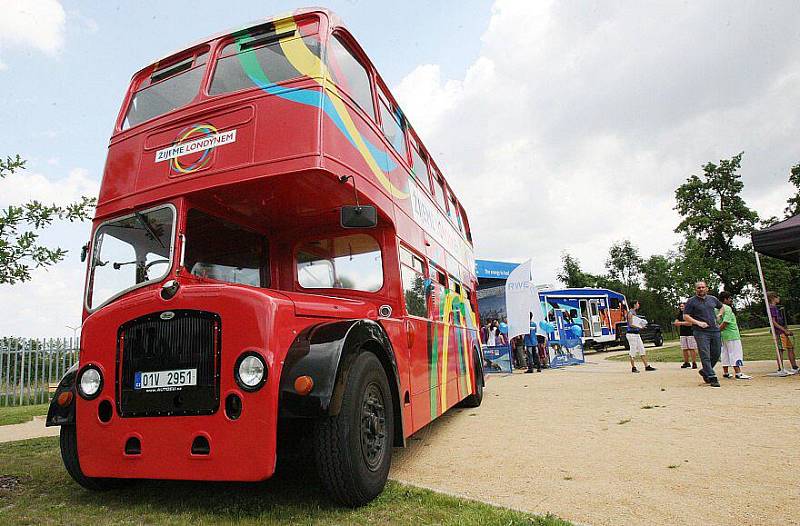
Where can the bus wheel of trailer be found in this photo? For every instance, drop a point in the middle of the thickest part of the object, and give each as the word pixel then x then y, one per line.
pixel 68 440
pixel 474 400
pixel 354 448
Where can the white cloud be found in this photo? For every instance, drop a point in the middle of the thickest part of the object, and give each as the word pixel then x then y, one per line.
pixel 52 298
pixel 38 24
pixel 24 186
pixel 577 122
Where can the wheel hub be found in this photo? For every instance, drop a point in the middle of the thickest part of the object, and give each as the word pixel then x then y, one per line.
pixel 373 427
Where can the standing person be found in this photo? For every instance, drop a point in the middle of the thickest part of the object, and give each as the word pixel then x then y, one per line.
pixel 732 353
pixel 531 350
pixel 688 343
pixel 491 334
pixel 782 332
pixel 700 312
pixel 635 343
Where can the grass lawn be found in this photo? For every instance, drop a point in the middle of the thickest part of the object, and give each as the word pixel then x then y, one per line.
pixel 35 489
pixel 757 345
pixel 21 414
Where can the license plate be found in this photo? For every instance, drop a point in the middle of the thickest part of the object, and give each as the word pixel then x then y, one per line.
pixel 164 380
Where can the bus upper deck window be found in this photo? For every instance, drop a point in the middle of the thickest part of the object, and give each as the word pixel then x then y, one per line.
pixel 420 168
pixel 438 189
pixel 168 87
pixel 393 127
pixel 257 57
pixel 350 75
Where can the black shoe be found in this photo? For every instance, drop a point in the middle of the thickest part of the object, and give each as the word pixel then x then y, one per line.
pixel 686 365
pixel 713 382
pixel 703 374
pixel 694 366
pixel 634 370
pixel 727 375
pixel 528 371
pixel 649 368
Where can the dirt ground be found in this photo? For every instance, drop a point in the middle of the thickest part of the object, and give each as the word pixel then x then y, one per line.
pixel 599 445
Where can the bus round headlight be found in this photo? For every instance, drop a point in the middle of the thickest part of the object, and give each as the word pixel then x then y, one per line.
pixel 90 383
pixel 251 371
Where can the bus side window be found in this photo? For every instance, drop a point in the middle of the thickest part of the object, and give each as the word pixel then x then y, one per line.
pixel 438 191
pixel 393 126
pixel 420 168
pixel 412 272
pixel 350 75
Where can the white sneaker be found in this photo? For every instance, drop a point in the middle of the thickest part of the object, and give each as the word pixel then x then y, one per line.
pixel 742 376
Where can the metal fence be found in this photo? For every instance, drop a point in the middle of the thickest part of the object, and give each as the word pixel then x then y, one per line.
pixel 28 367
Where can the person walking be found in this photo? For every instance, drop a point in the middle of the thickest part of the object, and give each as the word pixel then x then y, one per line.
pixel 635 343
pixel 531 350
pixel 688 343
pixel 782 332
pixel 732 352
pixel 700 311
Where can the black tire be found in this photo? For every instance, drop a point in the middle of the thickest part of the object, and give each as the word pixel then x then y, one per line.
pixel 658 340
pixel 68 440
pixel 354 448
pixel 474 400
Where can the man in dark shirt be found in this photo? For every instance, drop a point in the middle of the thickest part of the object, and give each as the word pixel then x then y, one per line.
pixel 700 311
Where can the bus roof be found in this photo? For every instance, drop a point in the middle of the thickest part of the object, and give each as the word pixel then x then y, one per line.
pixel 585 292
pixel 330 15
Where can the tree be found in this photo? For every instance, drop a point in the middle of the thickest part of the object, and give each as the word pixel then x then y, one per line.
pixel 624 264
pixel 20 249
pixel 715 215
pixel 571 274
pixel 794 202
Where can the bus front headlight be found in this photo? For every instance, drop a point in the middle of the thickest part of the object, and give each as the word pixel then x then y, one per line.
pixel 90 382
pixel 250 371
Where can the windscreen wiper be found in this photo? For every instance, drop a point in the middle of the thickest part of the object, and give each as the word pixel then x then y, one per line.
pixel 149 228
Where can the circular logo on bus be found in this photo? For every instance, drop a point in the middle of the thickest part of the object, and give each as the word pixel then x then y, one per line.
pixel 190 136
pixel 168 315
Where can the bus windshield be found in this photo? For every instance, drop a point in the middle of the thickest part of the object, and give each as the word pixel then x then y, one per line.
pixel 129 252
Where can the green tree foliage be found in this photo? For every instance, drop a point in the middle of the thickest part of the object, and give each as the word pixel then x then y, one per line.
pixel 571 274
pixel 20 225
pixel 794 202
pixel 624 264
pixel 715 215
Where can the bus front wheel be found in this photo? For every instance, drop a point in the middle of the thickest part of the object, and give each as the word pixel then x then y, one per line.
pixel 354 448
pixel 68 440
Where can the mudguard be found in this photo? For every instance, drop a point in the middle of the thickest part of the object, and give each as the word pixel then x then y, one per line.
pixel 63 416
pixel 325 352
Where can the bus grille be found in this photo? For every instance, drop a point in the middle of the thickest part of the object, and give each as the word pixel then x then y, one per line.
pixel 168 341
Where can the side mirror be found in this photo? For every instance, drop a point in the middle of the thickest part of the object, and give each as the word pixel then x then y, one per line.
pixel 84 252
pixel 363 216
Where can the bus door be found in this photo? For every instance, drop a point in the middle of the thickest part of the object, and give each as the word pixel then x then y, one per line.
pixel 594 317
pixel 583 312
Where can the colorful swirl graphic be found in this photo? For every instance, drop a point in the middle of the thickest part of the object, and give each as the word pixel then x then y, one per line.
pixel 193 132
pixel 310 65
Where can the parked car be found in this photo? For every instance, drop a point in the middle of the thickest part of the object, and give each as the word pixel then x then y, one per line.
pixel 650 334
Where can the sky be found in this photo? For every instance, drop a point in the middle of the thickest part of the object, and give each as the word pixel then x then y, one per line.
pixel 562 126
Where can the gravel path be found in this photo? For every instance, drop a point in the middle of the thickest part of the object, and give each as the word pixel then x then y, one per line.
pixel 33 429
pixel 598 445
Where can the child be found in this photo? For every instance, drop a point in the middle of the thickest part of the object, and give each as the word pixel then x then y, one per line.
pixel 732 353
pixel 782 332
pixel 688 343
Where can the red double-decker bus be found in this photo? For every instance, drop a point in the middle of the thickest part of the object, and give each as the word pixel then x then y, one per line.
pixel 275 257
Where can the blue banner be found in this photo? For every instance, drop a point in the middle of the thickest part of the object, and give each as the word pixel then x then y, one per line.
pixel 563 345
pixel 497 359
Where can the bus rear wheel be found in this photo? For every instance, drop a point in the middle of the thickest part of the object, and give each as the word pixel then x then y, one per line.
pixel 474 400
pixel 354 448
pixel 68 440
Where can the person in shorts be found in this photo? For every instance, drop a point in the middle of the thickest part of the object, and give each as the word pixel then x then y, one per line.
pixel 688 343
pixel 635 343
pixel 732 352
pixel 782 332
